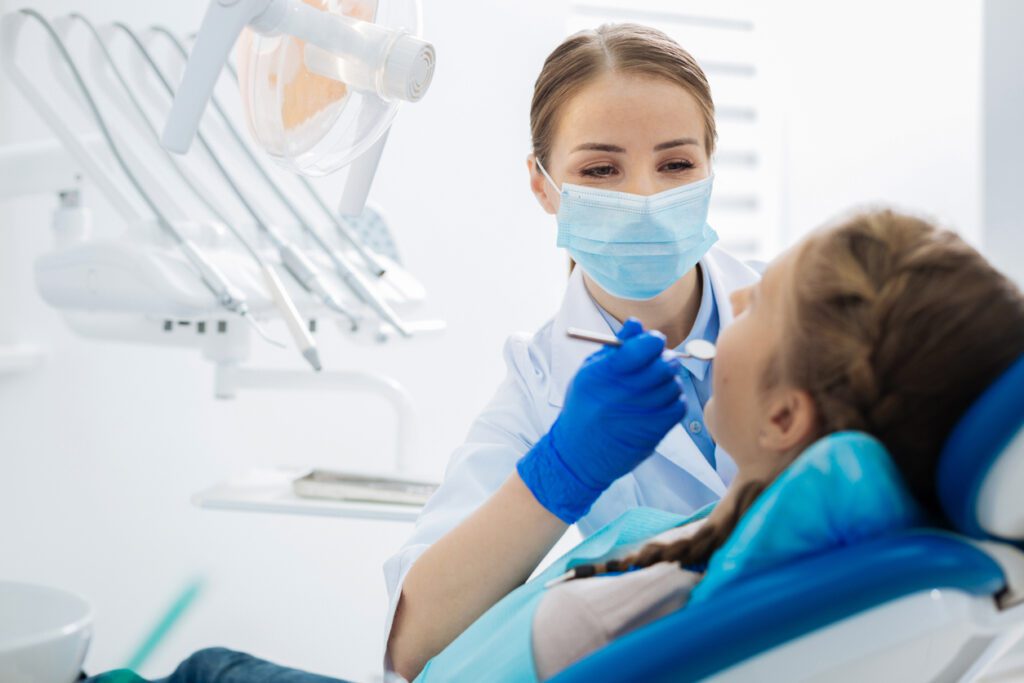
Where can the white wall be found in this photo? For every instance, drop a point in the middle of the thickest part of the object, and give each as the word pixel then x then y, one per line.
pixel 882 104
pixel 1004 141
pixel 102 446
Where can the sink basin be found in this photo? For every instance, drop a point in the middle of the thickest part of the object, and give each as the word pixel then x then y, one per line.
pixel 44 633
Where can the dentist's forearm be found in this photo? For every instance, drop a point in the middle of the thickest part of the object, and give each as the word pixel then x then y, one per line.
pixel 467 571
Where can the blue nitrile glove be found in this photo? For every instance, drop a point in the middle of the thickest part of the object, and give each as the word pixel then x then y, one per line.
pixel 621 404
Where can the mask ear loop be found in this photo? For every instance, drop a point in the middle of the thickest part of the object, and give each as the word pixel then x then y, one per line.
pixel 545 172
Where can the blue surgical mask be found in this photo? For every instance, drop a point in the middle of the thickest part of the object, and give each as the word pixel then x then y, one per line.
pixel 635 246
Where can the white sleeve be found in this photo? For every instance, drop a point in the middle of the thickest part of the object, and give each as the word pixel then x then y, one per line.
pixel 506 429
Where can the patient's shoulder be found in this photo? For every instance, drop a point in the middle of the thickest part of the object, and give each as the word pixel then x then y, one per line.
pixel 576 618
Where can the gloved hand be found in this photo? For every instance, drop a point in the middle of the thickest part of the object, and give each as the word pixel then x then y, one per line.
pixel 621 404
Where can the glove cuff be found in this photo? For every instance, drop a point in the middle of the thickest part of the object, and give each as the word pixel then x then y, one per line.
pixel 553 484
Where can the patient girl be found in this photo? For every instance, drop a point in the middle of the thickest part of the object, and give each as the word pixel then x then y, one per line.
pixel 884 325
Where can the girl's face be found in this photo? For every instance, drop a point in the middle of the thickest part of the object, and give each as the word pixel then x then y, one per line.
pixel 760 426
pixel 629 133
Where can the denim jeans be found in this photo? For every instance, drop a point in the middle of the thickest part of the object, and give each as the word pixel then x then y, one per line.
pixel 219 665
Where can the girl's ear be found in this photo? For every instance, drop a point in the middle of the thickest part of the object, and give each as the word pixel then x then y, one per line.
pixel 789 422
pixel 540 186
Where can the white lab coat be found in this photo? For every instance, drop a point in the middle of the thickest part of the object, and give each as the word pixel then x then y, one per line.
pixel 676 478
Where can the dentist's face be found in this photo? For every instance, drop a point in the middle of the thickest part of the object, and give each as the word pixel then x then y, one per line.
pixel 629 133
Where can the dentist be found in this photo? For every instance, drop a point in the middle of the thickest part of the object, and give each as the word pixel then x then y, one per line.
pixel 623 131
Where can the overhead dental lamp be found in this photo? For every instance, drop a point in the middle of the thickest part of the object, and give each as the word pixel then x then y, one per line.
pixel 321 80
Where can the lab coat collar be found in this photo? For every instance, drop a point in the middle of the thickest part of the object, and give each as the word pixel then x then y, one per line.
pixel 679 448
pixel 580 310
pixel 567 355
pixel 701 326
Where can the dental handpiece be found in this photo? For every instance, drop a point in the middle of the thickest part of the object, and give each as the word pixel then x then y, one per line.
pixel 227 295
pixel 700 349
pixel 310 277
pixel 282 300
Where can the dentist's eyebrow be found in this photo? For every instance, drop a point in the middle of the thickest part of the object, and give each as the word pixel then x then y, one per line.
pixel 599 147
pixel 675 143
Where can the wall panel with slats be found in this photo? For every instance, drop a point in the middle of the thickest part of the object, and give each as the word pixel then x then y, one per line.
pixel 724 38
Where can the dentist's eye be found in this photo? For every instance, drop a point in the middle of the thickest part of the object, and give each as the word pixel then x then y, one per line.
pixel 676 166
pixel 599 171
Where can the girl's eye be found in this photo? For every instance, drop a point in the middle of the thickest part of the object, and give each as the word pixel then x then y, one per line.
pixel 677 166
pixel 599 171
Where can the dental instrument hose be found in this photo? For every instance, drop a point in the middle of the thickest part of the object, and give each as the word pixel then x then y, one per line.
pixel 344 269
pixel 226 294
pixel 144 117
pixel 301 269
pixel 282 301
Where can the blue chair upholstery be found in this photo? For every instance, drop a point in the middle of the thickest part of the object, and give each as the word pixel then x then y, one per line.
pixel 975 445
pixel 773 607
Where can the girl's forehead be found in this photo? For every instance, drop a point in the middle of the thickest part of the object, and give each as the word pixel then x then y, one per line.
pixel 779 274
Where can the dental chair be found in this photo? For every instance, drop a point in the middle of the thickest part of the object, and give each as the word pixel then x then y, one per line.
pixel 917 605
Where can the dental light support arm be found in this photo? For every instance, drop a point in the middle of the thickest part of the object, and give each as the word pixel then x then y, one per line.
pixel 393 64
pixel 360 177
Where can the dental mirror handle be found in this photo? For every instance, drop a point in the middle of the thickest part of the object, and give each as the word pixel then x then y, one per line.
pixel 596 337
pixel 695 348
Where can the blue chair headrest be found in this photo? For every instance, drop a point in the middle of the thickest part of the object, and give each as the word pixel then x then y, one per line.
pixel 981 468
